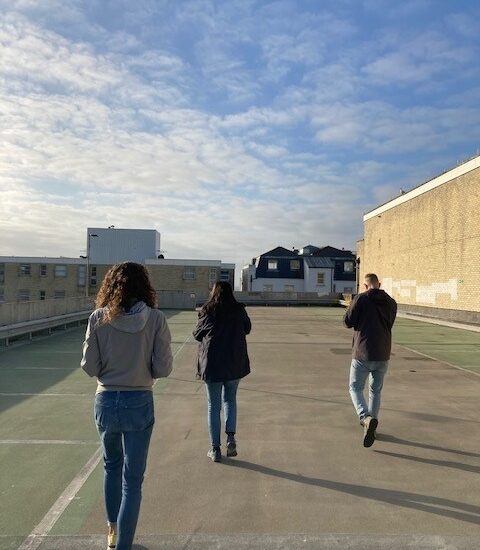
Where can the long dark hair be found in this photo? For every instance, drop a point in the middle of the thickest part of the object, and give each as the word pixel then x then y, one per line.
pixel 122 284
pixel 221 300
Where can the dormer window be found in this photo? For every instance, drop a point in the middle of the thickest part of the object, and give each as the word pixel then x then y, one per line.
pixel 272 265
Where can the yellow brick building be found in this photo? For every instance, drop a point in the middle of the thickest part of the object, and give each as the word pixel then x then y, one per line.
pixel 33 278
pixel 425 245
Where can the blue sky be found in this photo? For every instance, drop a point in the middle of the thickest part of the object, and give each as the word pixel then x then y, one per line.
pixel 230 126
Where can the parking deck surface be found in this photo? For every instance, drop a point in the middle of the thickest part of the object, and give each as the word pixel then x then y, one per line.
pixel 302 477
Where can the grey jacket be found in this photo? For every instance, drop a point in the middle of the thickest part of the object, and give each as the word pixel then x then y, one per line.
pixel 128 353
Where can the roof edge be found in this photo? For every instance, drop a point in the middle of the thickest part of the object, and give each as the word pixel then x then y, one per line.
pixel 456 172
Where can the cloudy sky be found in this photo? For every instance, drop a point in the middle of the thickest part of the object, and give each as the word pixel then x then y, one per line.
pixel 230 126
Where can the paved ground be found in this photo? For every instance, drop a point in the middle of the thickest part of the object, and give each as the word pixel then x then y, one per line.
pixel 302 478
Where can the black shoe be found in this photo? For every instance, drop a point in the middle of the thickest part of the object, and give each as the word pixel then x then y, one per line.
pixel 370 425
pixel 215 454
pixel 231 445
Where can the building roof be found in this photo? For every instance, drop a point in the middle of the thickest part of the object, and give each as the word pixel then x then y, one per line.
pixel 447 176
pixel 319 261
pixel 190 263
pixel 41 260
pixel 332 252
pixel 280 251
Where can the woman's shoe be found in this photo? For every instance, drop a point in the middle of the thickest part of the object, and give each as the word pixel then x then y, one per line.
pixel 215 454
pixel 231 446
pixel 111 541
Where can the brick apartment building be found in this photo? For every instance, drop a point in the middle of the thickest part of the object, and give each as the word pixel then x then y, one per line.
pixel 38 278
pixel 425 245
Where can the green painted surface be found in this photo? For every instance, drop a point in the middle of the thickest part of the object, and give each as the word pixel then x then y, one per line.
pixel 455 346
pixel 50 366
pixel 34 475
pixel 458 347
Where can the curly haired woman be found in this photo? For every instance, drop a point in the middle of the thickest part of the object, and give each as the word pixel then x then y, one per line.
pixel 127 346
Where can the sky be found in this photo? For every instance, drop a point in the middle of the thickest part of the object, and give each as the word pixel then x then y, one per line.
pixel 231 127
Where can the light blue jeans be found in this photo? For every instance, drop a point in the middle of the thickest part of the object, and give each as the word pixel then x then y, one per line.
pixel 214 394
pixel 124 421
pixel 359 372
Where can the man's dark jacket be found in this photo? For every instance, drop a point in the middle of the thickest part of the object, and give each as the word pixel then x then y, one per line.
pixel 222 353
pixel 371 315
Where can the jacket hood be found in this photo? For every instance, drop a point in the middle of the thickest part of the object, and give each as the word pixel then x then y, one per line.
pixel 378 295
pixel 132 322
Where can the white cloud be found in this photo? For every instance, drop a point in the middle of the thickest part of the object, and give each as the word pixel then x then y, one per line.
pixel 249 137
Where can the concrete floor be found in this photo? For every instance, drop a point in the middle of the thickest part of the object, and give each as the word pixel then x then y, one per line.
pixel 302 478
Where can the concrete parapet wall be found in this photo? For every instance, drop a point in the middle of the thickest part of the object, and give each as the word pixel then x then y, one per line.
pixel 19 312
pixel 287 298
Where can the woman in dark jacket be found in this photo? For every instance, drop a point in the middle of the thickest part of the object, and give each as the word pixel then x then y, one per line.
pixel 222 360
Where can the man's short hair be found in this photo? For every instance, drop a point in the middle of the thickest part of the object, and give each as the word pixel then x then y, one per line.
pixel 371 279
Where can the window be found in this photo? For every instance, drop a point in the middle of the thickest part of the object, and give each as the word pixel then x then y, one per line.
pixel 60 271
pixel 348 290
pixel 43 295
pixel 2 295
pixel 43 270
pixel 272 264
pixel 348 267
pixel 59 294
pixel 289 288
pixel 225 275
pixel 189 274
pixel 294 265
pixel 212 276
pixel 25 270
pixel 82 275
pixel 321 279
pixel 2 273
pixel 93 275
pixel 267 288
pixel 24 295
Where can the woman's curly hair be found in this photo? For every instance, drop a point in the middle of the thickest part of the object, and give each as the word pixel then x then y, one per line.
pixel 122 284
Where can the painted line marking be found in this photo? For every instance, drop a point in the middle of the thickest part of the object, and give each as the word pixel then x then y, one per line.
pixel 46 442
pixel 182 346
pixel 34 540
pixel 439 360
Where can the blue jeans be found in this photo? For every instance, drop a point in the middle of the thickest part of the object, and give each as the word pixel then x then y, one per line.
pixel 214 394
pixel 124 421
pixel 359 372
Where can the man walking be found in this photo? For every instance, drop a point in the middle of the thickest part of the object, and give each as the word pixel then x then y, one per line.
pixel 371 314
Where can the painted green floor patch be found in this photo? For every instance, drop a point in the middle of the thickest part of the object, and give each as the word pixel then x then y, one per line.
pixel 458 347
pixel 455 346
pixel 32 479
pixel 71 521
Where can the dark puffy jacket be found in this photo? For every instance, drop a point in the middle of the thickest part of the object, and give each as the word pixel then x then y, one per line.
pixel 371 315
pixel 222 353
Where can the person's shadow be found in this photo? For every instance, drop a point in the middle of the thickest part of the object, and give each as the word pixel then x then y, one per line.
pixel 425 503
pixel 392 439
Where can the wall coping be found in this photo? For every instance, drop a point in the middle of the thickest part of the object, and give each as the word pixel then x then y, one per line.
pixel 425 187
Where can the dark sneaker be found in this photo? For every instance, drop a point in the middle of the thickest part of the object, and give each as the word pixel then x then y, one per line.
pixel 215 454
pixel 369 426
pixel 231 446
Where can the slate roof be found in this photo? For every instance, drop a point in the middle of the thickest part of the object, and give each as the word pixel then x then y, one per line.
pixel 319 261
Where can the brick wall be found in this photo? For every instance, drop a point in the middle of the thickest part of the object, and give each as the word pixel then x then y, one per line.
pixel 426 251
pixel 168 277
